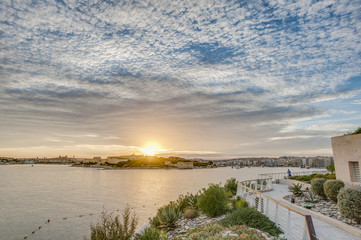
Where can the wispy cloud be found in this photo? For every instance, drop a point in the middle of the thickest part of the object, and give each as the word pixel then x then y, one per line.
pixel 208 71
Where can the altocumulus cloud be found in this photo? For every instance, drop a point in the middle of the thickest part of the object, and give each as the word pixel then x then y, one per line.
pixel 233 77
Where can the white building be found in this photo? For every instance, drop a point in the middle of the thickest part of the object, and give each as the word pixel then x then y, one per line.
pixel 347 158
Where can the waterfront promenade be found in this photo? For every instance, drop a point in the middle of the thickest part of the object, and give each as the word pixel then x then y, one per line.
pixel 324 230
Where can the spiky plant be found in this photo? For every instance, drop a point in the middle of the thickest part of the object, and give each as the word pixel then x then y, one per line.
pixel 166 217
pixel 193 199
pixel 151 234
pixel 310 197
pixel 296 189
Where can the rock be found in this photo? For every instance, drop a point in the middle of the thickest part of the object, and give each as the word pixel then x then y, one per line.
pixel 324 206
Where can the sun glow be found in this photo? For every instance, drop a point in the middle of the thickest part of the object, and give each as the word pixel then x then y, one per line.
pixel 151 148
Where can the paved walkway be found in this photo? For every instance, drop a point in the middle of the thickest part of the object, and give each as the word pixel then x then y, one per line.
pixel 324 231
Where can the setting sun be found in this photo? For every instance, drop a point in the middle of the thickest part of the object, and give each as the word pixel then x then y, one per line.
pixel 151 148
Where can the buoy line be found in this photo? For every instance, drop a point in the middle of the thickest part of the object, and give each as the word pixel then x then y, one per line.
pixel 64 218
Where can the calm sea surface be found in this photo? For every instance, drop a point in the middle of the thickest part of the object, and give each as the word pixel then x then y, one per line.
pixel 29 196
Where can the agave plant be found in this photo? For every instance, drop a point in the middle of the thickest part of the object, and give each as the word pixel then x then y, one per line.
pixel 166 217
pixel 193 199
pixel 296 189
pixel 310 197
pixel 151 234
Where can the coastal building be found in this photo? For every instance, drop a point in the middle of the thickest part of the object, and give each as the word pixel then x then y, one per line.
pixel 347 157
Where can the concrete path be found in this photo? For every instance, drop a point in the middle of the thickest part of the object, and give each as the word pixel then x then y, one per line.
pixel 324 231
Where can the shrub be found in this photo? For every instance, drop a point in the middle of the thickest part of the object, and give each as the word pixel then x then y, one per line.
pixel 331 176
pixel 357 131
pixel 349 203
pixel 231 186
pixel 213 201
pixel 242 204
pixel 305 178
pixel 151 234
pixel 332 187
pixel 317 186
pixel 331 168
pixel 229 194
pixel 182 202
pixel 296 189
pixel 185 201
pixel 190 213
pixel 318 176
pixel 251 218
pixel 166 217
pixel 113 228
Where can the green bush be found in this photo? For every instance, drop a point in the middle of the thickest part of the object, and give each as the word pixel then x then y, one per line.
pixel 185 201
pixel 330 176
pixel 332 187
pixel 151 234
pixel 231 186
pixel 305 178
pixel 112 228
pixel 166 217
pixel 229 194
pixel 319 176
pixel 331 168
pixel 317 186
pixel 349 203
pixel 213 201
pixel 252 218
pixel 242 204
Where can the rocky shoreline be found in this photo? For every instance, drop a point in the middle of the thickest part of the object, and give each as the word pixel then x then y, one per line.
pixel 326 207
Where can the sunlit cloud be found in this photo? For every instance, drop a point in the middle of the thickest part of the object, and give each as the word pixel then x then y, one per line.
pixel 206 76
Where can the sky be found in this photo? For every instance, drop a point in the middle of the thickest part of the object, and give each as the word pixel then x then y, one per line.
pixel 211 79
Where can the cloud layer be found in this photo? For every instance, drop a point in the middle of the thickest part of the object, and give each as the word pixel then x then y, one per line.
pixel 231 77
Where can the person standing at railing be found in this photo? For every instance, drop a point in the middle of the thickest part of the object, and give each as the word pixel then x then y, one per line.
pixel 289 173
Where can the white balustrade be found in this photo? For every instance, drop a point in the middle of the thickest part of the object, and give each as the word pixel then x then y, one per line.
pixel 292 223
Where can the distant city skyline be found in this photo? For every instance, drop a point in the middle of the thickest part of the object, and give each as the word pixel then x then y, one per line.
pixel 188 78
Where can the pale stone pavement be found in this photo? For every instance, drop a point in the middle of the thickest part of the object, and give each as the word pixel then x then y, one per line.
pixel 324 231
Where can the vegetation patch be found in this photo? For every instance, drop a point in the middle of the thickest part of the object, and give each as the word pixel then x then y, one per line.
pixel 349 203
pixel 151 234
pixel 231 186
pixel 296 189
pixel 332 188
pixel 113 228
pixel 308 178
pixel 357 131
pixel 251 218
pixel 166 217
pixel 218 232
pixel 317 186
pixel 213 201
